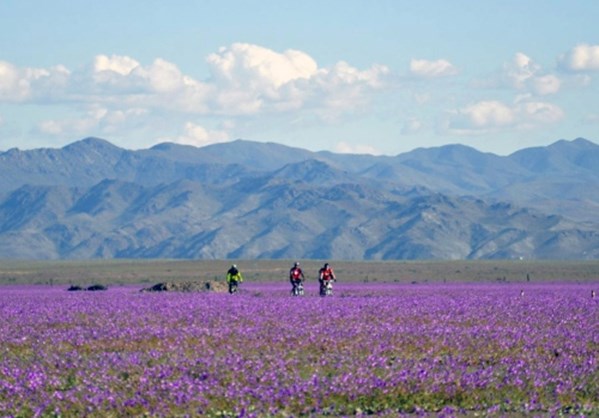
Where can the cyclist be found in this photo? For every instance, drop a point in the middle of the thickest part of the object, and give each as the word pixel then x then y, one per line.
pixel 296 277
pixel 234 277
pixel 325 276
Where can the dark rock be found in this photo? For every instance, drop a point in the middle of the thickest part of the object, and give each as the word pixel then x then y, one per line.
pixel 96 287
pixel 188 287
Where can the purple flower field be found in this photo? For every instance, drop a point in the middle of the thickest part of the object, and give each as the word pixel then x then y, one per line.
pixel 370 349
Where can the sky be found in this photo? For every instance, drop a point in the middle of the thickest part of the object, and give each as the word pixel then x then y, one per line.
pixel 380 77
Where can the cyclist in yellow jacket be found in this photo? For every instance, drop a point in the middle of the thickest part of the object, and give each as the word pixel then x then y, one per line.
pixel 234 277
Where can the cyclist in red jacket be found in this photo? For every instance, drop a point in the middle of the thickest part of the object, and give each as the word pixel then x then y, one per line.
pixel 325 276
pixel 296 277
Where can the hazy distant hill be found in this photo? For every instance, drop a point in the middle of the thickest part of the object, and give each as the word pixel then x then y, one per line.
pixel 246 199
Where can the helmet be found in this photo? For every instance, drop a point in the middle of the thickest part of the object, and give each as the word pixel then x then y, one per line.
pixel 234 266
pixel 296 264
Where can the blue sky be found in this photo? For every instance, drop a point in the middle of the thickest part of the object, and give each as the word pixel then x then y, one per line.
pixel 381 77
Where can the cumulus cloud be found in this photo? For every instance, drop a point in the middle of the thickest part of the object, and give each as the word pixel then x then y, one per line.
pixel 245 63
pixel 23 84
pixel 432 69
pixel 124 80
pixel 250 79
pixel 484 115
pixel 538 113
pixel 520 70
pixel 581 58
pixel 245 80
pixel 10 86
pixel 96 119
pixel 118 64
pixel 524 75
pixel 346 148
pixel 411 126
pixel 547 84
pixel 494 116
pixel 51 127
pixel 199 136
pixel 342 89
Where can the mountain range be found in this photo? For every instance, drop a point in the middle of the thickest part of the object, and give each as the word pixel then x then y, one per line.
pixel 246 199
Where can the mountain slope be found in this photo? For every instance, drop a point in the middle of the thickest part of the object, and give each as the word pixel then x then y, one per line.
pixel 533 177
pixel 578 156
pixel 344 221
pixel 245 199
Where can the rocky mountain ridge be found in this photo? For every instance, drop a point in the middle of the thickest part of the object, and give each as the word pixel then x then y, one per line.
pixel 246 199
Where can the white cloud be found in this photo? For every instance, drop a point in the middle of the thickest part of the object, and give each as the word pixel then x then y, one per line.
pixel 538 113
pixel 493 116
pixel 547 84
pixel 340 90
pixel 165 77
pixel 74 127
pixel 122 65
pixel 199 136
pixel 345 148
pixel 411 126
pixel 10 86
pixel 122 76
pixel 241 63
pixel 520 70
pixel 581 58
pixel 117 93
pixel 344 74
pixel 245 80
pixel 524 75
pixel 250 79
pixel 432 69
pixel 487 114
pixel 96 120
pixel 51 127
pixel 22 84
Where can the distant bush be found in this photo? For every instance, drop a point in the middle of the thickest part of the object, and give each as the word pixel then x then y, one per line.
pixel 96 287
pixel 92 288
